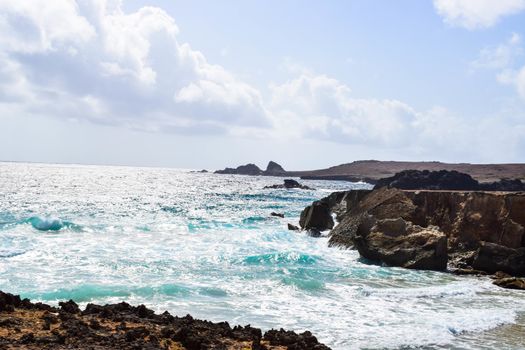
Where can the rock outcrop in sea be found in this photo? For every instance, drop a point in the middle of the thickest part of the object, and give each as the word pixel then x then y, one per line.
pixel 27 325
pixel 477 231
pixel 272 169
pixel 289 184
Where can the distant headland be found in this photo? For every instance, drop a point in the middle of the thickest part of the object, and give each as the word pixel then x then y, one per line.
pixel 372 170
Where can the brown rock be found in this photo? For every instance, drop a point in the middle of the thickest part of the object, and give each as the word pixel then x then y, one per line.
pixel 492 258
pixel 510 283
pixel 396 242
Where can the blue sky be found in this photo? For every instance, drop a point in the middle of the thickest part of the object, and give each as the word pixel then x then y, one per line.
pixel 208 84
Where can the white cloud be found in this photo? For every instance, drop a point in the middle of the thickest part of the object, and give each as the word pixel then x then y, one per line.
pixel 505 60
pixel 475 14
pixel 320 107
pixel 87 59
pixel 501 56
pixel 323 107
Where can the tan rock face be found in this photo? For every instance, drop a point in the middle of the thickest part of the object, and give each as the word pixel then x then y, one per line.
pixel 397 242
pixel 470 217
pixel 466 219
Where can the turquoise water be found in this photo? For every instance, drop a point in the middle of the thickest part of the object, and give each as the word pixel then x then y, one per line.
pixel 206 245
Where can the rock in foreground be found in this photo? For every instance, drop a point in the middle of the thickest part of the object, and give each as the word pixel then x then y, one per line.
pixel 26 325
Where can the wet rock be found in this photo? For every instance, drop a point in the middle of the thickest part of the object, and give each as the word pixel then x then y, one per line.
pixel 317 217
pixel 280 215
pixel 510 283
pixel 293 227
pixel 491 257
pixel 396 242
pixel 289 184
pixel 467 271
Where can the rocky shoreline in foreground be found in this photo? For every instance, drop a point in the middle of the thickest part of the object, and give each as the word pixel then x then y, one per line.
pixel 27 325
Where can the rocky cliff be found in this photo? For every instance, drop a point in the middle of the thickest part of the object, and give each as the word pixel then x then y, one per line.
pixel 430 229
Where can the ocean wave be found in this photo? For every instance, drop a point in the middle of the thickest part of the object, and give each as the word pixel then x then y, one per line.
pixel 51 224
pixel 89 292
pixel 280 258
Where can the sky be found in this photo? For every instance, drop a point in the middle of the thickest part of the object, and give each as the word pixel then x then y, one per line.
pixel 309 84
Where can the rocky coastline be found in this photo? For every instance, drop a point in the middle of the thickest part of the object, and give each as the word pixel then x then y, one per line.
pixel 27 325
pixel 467 232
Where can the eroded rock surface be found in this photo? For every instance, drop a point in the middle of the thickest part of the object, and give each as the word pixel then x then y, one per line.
pixel 26 325
pixel 483 230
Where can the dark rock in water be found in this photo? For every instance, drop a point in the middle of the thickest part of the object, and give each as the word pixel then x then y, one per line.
pixel 317 217
pixel 469 271
pixel 429 180
pixel 510 283
pixel 280 215
pixel 493 257
pixel 248 169
pixel 289 184
pixel 445 180
pixel 274 169
pixel 293 227
pixel 396 242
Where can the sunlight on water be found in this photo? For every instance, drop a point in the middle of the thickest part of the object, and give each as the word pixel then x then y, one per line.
pixel 206 245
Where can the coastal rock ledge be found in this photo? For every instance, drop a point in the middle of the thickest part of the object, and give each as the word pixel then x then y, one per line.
pixel 482 231
pixel 27 325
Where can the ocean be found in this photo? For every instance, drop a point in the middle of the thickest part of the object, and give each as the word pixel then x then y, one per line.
pixel 206 245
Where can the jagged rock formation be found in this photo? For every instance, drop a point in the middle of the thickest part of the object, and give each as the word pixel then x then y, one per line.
pixel 248 169
pixel 26 325
pixel 445 180
pixel 484 230
pixel 274 169
pixel 289 184
pixel 396 242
